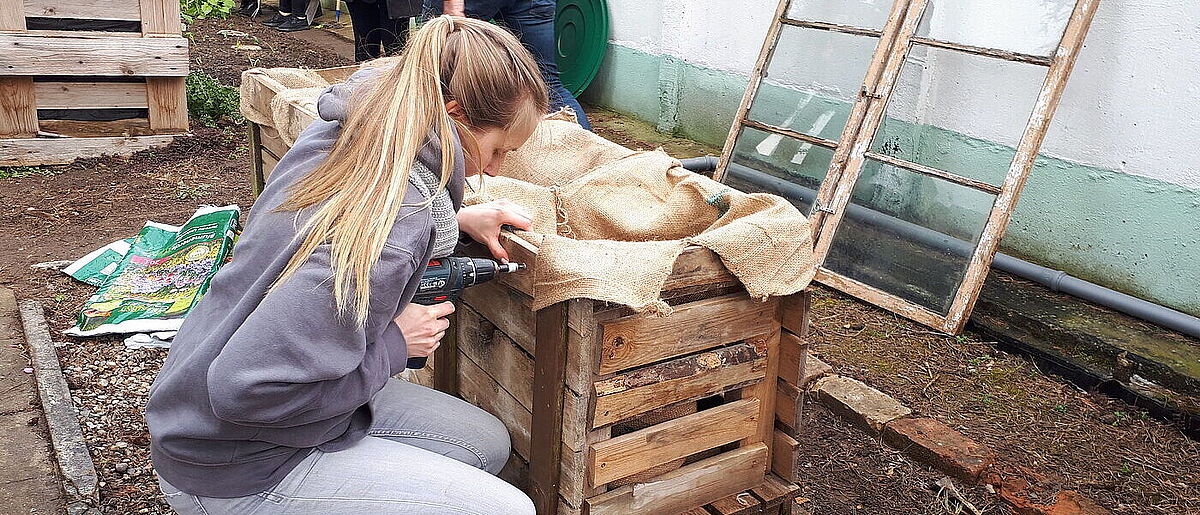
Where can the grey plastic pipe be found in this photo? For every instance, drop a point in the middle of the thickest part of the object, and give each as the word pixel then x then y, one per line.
pixel 1056 280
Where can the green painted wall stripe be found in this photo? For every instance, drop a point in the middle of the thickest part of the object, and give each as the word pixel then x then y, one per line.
pixel 1134 234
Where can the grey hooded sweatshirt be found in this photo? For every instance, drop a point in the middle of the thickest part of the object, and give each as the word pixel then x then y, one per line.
pixel 255 381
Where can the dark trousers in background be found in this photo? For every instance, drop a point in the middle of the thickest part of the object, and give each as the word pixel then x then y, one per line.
pixel 533 22
pixel 375 34
pixel 285 6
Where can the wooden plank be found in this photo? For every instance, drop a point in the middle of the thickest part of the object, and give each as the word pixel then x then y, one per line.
pixel 787 405
pixel 832 27
pixel 644 389
pixel 583 346
pixel 933 172
pixel 270 140
pixel 160 17
pixel 337 74
pixel 576 434
pixel 775 491
pixel 628 454
pixel 811 140
pixel 549 367
pixel 445 374
pixel 687 487
pixel 91 95
pixel 756 76
pixel 794 312
pixel 18 108
pixel 783 455
pixel 121 10
pixel 167 99
pixel 645 338
pixel 791 357
pixel 11 16
pixel 1018 172
pixel 92 129
pixel 875 296
pixel 741 503
pixel 516 472
pixel 1040 60
pixel 519 251
pixel 268 164
pixel 697 266
pixel 508 309
pixel 45 151
pixel 257 177
pixel 764 392
pixel 28 54
pixel 507 364
pixel 476 387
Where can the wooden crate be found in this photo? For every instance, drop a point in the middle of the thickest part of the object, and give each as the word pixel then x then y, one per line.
pixel 616 412
pixel 138 64
pixel 722 372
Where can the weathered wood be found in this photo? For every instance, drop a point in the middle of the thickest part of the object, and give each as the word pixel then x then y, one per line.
pixel 91 95
pixel 697 266
pixel 160 17
pixel 787 405
pixel 1018 172
pixel 1007 55
pixel 121 10
pixel 646 338
pixel 783 456
pixel 28 54
pixel 764 392
pixel 167 99
pixel 794 312
pixel 791 357
pixel 257 175
pixel 741 503
pixel 549 367
pixel 507 364
pixel 477 388
pixel 92 129
pixel 11 17
pixel 692 377
pixel 508 309
pixel 268 164
pixel 698 483
pixel 445 374
pixel 18 108
pixel 516 472
pixel 933 172
pixel 832 27
pixel 775 492
pixel 44 151
pixel 583 345
pixel 270 140
pixel 628 454
pixel 885 300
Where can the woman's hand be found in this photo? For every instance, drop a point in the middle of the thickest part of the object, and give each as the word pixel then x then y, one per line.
pixel 482 223
pixel 423 327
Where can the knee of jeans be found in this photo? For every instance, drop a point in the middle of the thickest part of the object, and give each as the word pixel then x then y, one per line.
pixel 514 502
pixel 496 444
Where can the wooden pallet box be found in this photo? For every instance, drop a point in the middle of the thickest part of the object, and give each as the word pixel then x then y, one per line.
pixel 611 411
pixel 84 78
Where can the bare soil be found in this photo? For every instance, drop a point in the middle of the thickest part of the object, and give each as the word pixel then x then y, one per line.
pixel 1044 430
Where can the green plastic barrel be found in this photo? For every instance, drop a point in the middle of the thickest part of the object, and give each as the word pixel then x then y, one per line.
pixel 581 33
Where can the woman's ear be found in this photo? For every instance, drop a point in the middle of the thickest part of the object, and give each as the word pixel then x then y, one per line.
pixel 455 110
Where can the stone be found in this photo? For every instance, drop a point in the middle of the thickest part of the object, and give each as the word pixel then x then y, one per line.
pixel 858 403
pixel 814 369
pixel 939 446
pixel 1066 502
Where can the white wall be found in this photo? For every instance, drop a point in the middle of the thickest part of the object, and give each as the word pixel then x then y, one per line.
pixel 1133 103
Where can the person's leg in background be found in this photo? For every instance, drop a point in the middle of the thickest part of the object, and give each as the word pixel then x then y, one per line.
pixel 366 17
pixel 284 14
pixel 393 36
pixel 533 22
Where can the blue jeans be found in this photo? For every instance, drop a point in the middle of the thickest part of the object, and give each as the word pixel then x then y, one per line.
pixel 427 452
pixel 533 22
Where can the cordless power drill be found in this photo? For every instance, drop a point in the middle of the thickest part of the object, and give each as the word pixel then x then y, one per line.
pixel 446 278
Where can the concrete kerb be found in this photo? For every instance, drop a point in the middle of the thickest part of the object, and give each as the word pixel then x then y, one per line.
pixel 74 460
pixel 926 440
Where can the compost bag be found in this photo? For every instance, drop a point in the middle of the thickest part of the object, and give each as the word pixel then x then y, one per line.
pixel 150 283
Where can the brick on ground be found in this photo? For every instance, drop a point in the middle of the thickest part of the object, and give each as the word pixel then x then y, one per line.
pixel 939 446
pixel 853 400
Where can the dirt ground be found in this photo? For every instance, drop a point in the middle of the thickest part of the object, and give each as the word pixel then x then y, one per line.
pixel 1044 430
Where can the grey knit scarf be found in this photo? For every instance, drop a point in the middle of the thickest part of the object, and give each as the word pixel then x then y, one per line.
pixel 444 221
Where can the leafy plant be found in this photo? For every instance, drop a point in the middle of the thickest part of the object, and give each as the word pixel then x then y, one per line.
pixel 209 100
pixel 14 172
pixel 200 9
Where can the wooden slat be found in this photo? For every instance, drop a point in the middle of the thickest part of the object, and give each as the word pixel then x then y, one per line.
pixel 27 54
pixel 775 491
pixel 506 363
pixel 1040 60
pixel 812 140
pixel 794 312
pixel 45 151
pixel 688 378
pixel 1018 172
pixel 880 298
pixel 508 309
pixel 121 10
pixel 741 503
pixel 691 485
pixel 11 16
pixel 167 98
pixel 628 454
pixel 160 17
pixel 445 373
pixel 933 172
pixel 268 164
pixel 92 129
pixel 91 95
pixel 515 472
pixel 787 405
pixel 697 266
pixel 270 140
pixel 791 357
pixel 18 108
pixel 583 345
pixel 337 74
pixel 257 177
pixel 783 455
pixel 832 27
pixel 476 387
pixel 549 366
pixel 646 338
pixel 764 391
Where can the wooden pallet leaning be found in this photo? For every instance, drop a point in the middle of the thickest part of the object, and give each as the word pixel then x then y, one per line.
pixel 73 70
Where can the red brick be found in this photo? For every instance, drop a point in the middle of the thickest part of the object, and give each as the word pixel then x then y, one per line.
pixel 1066 502
pixel 939 446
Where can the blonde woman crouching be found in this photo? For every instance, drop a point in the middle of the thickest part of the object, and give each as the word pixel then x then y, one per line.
pixel 278 395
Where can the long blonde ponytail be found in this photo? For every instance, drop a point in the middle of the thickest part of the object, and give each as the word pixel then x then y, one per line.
pixel 357 192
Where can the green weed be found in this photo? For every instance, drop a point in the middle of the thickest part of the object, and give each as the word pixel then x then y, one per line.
pixel 14 172
pixel 209 101
pixel 185 191
pixel 192 10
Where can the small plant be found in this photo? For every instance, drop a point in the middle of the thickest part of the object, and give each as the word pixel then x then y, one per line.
pixel 209 101
pixel 192 10
pixel 185 191
pixel 14 172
